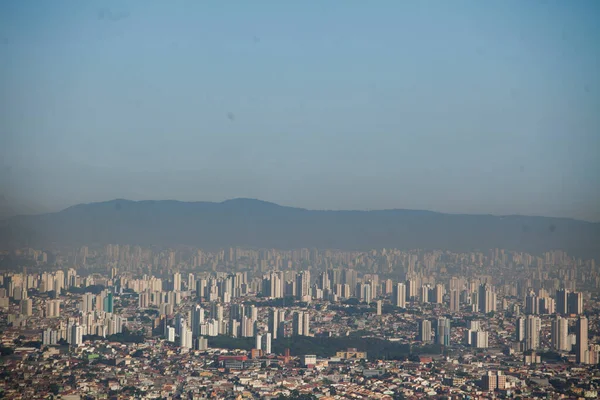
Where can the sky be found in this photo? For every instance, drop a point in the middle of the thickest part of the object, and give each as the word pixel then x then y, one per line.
pixel 456 106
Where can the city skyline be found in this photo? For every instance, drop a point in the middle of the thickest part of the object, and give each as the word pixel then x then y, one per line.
pixel 316 200
pixel 383 316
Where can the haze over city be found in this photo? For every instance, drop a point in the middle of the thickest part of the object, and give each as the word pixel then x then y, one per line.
pixel 299 200
pixel 461 107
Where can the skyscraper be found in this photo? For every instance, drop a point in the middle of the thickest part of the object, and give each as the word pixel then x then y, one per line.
pixel 197 320
pixel 273 323
pixel 306 324
pixel 258 342
pixel 581 351
pixel 438 294
pixel 186 337
pixel 267 343
pixel 532 332
pixel 76 335
pixel 400 295
pixel 109 303
pixel 520 329
pixel 532 304
pixel 486 299
pixel 562 303
pixel 53 308
pixel 176 281
pixel 479 339
pixel 302 284
pixel 425 331
pixel 443 331
pixel 411 289
pixel 560 334
pixel 425 293
pixel 575 303
pixel 27 307
pixel 281 326
pixel 454 300
pixel 87 303
pixel 298 320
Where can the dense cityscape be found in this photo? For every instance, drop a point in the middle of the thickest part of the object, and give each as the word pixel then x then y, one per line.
pixel 299 200
pixel 125 321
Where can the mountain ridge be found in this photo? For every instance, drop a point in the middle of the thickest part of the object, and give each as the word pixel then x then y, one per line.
pixel 258 201
pixel 256 223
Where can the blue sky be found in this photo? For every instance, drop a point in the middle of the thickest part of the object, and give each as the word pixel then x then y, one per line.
pixel 455 106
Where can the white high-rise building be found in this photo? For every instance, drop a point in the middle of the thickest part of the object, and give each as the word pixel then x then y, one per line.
pixel 267 343
pixel 197 320
pixel 27 307
pixel 520 329
pixel 202 343
pixel 425 333
pixel 297 322
pixel 454 300
pixel 581 349
pixel 425 293
pixel 560 334
pixel 171 334
pixel 400 295
pixel 273 323
pixel 191 282
pixel 306 324
pixel 186 338
pixel 53 308
pixel 532 332
pixel 366 294
pixel 76 335
pixel 486 298
pixel 302 284
pixel 474 325
pixel 176 282
pixel 258 342
pixel 479 339
pixel 438 294
pixel 281 326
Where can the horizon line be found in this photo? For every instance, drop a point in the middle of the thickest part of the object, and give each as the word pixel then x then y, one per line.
pixel 302 208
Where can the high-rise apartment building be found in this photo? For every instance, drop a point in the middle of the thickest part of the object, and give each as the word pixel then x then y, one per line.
pixel 493 380
pixel 560 334
pixel 302 284
pixel 297 323
pixel 575 303
pixel 281 326
pixel 400 295
pixel 443 331
pixel 532 332
pixel 454 300
pixel 306 324
pixel 425 331
pixel 438 294
pixel 176 280
pixel 520 329
pixel 581 349
pixel 486 299
pixel 267 343
pixel 27 307
pixel 562 302
pixel 197 320
pixel 273 322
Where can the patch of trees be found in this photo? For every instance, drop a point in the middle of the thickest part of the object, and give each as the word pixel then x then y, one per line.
pixel 328 346
pixel 94 289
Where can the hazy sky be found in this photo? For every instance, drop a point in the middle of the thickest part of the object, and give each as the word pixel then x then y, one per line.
pixel 456 106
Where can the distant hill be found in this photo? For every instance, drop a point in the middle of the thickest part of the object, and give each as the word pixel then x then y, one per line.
pixel 255 223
